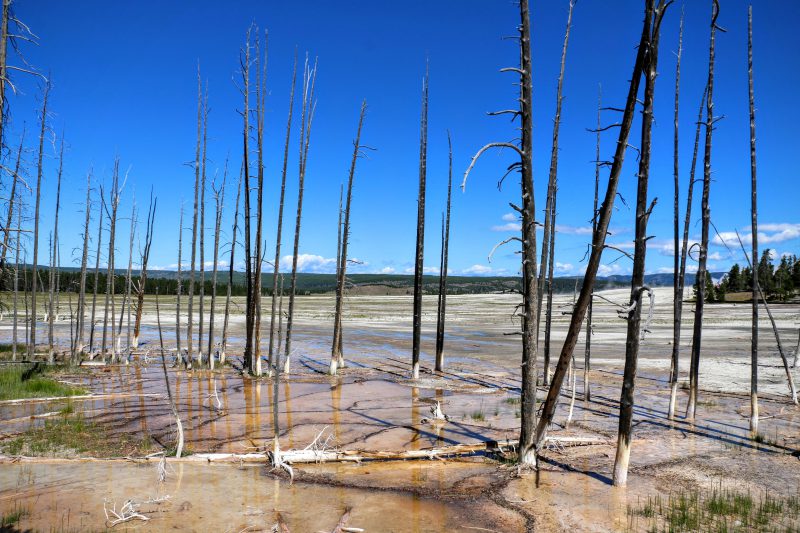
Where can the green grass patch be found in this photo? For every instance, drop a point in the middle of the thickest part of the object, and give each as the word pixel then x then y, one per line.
pixel 513 400
pixel 13 387
pixel 478 416
pixel 716 509
pixel 12 518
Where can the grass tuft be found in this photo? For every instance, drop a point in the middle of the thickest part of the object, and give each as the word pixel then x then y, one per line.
pixel 12 386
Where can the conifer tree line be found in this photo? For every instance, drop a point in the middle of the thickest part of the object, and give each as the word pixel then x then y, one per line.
pixel 779 284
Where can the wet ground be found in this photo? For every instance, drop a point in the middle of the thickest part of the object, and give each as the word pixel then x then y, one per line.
pixel 374 406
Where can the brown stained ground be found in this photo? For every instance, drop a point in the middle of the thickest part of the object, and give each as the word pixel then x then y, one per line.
pixel 374 406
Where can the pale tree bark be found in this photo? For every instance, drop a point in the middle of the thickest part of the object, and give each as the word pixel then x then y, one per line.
pixel 674 374
pixel 15 334
pixel 420 249
pixel 307 118
pixel 587 359
pixel 219 201
pixel 548 238
pixel 697 334
pixel 193 267
pixel 113 201
pixel 442 308
pixel 753 230
pixel 598 240
pixel 230 274
pixel 81 307
pixel 337 357
pixel 53 280
pixel 248 255
pixel 279 228
pixel 126 301
pixel 179 290
pixel 201 296
pixel 38 196
pixel 4 74
pixel 96 271
pixel 179 447
pixel 530 292
pixel 638 288
pixel 15 178
pixel 261 79
pixel 144 259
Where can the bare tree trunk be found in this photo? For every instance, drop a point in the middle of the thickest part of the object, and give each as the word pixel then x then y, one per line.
pixel 309 81
pixel 638 288
pixel 4 38
pixel 96 272
pixel 694 371
pixel 145 259
pixel 179 447
pixel 230 274
pixel 126 301
pixel 248 255
pixel 110 277
pixel 219 200
pixel 190 317
pixel 598 240
pixel 420 250
pixel 279 229
pixel 80 311
pixel 201 315
pixel 259 250
pixel 548 319
pixel 587 363
pixel 39 171
pixel 15 335
pixel 442 309
pixel 54 259
pixel 14 179
pixel 178 290
pixel 753 230
pixel 548 240
pixel 280 320
pixel 677 290
pixel 337 358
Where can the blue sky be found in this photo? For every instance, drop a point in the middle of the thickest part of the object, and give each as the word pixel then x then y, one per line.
pixel 124 84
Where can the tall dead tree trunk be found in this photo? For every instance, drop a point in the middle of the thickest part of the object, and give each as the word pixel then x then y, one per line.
pixel 15 178
pixel 279 229
pixel 248 255
pixel 420 250
pixel 96 283
pixel 677 290
pixel 638 287
pixel 530 292
pixel 442 308
pixel 230 274
pixel 178 290
pixel 219 201
pixel 261 90
pixel 697 335
pixel 201 296
pixel 113 198
pixel 587 362
pixel 4 72
pixel 126 301
pixel 34 267
pixel 337 358
pixel 684 254
pixel 80 311
pixel 190 316
pixel 307 118
pixel 144 258
pixel 548 239
pixel 753 230
pixel 54 261
pixel 179 446
pixel 15 340
pixel 598 240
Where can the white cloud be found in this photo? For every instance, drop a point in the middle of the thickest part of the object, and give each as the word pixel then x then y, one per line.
pixel 483 270
pixel 573 230
pixel 425 270
pixel 510 217
pixel 510 226
pixel 387 270
pixel 310 263
pixel 768 234
pixel 609 270
pixel 564 267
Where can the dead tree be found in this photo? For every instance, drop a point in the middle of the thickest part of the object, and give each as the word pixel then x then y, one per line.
pixel 697 335
pixel 144 258
pixel 77 348
pixel 224 345
pixel 190 317
pixel 442 307
pixel 638 287
pixel 307 118
pixel 34 267
pixel 548 238
pixel 14 340
pixel 279 229
pixel 113 202
pixel 261 76
pixel 178 290
pixel 753 230
pixel 587 362
pixel 530 292
pixel 126 301
pixel 337 358
pixel 598 239
pixel 201 314
pixel 15 178
pixel 420 250
pixel 179 446
pixel 96 271
pixel 53 279
pixel 219 201
pixel 248 254
pixel 682 269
